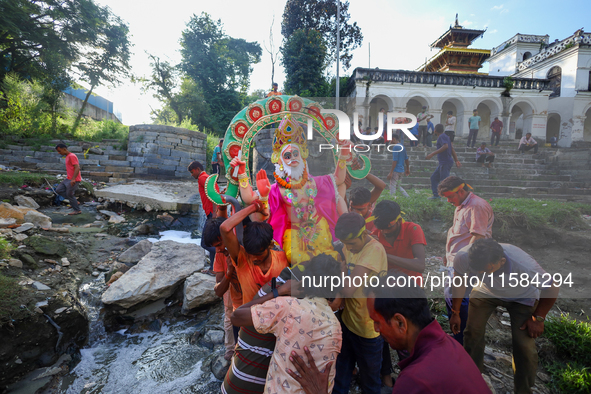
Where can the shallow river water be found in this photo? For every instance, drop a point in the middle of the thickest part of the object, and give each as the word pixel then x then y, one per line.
pixel 151 362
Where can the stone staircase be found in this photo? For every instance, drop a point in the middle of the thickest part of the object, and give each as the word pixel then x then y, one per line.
pixel 111 166
pixel 549 174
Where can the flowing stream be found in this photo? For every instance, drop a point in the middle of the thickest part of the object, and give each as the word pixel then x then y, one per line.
pixel 162 359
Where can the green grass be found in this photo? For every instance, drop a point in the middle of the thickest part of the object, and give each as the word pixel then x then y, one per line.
pixel 419 209
pixel 5 248
pixel 9 298
pixel 20 178
pixel 520 212
pixel 571 371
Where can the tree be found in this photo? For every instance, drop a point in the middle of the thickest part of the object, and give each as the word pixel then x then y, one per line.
pixel 219 64
pixel 272 51
pixel 108 61
pixel 38 34
pixel 164 81
pixel 320 15
pixel 303 57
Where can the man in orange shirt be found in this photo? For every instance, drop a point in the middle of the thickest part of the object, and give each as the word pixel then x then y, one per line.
pixel 227 284
pixel 274 91
pixel 67 188
pixel 256 264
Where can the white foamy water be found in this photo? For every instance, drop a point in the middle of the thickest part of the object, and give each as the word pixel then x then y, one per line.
pixel 148 363
pixel 183 237
pixel 145 363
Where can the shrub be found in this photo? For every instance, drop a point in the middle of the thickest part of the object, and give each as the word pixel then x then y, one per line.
pixel 26 112
pixel 5 248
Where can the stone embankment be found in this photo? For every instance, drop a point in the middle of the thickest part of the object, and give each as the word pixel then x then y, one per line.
pixel 153 152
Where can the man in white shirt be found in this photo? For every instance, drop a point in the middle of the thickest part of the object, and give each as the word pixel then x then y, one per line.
pixel 526 143
pixel 450 126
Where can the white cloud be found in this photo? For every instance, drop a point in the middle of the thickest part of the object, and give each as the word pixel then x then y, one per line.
pixel 467 23
pixel 493 31
pixel 501 8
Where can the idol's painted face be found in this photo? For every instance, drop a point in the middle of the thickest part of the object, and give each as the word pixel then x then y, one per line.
pixel 291 156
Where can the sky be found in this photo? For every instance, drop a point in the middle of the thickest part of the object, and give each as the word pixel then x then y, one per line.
pixel 398 33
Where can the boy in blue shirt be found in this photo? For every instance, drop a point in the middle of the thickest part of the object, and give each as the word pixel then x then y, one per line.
pixel 400 166
pixel 415 133
pixel 428 136
pixel 446 155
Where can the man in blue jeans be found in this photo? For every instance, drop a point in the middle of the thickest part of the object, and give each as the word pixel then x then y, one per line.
pixel 446 155
pixel 474 122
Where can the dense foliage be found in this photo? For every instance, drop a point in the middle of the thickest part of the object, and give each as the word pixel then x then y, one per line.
pixel 44 46
pixel 320 15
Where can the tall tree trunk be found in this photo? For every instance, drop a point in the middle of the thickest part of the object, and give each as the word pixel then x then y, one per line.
pixel 176 110
pixel 77 121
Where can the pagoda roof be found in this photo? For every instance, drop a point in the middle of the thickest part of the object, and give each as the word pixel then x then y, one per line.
pixel 483 54
pixel 449 37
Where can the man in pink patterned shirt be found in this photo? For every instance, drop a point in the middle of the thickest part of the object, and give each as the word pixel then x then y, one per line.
pixel 297 323
pixel 473 219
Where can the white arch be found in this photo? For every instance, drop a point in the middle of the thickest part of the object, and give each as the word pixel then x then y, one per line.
pixel 450 96
pixel 424 98
pixel 494 100
pixel 389 100
pixel 523 100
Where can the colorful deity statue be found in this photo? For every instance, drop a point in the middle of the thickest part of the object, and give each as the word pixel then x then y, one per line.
pixel 302 208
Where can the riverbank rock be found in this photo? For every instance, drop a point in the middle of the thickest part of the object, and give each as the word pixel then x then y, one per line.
pixel 24 227
pixel 136 252
pixel 198 291
pixel 156 275
pixel 45 245
pixel 220 367
pixel 8 211
pixel 27 202
pixel 7 222
pixel 38 219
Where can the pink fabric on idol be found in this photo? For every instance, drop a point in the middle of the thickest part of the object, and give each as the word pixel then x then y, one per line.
pixel 325 204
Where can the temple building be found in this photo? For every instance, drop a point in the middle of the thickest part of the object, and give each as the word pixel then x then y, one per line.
pixel 455 56
pixel 532 86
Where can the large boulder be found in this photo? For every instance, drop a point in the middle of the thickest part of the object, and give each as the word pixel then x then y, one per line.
pixel 27 202
pixel 199 291
pixel 156 275
pixel 38 219
pixel 8 211
pixel 136 252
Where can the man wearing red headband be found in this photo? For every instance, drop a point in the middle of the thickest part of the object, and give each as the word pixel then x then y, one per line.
pixel 473 220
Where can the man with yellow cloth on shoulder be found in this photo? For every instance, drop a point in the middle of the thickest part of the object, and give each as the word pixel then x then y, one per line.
pixel 365 258
pixel 302 207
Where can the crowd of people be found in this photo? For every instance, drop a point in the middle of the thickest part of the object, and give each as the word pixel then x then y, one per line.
pixel 289 330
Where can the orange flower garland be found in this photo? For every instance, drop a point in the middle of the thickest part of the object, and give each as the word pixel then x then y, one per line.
pixel 288 185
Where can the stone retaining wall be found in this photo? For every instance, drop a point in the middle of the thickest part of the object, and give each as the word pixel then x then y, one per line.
pixel 164 150
pixel 153 152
